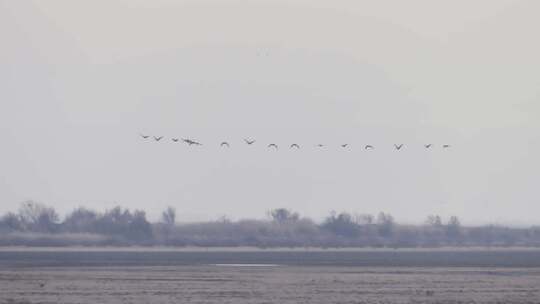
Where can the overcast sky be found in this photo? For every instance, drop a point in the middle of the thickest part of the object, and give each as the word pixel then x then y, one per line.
pixel 79 80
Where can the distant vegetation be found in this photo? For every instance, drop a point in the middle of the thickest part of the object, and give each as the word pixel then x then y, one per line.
pixel 35 224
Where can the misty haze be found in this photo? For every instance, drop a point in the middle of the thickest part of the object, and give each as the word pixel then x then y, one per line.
pixel 269 151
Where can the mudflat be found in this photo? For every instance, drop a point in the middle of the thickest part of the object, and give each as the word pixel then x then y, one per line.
pixel 268 284
pixel 215 276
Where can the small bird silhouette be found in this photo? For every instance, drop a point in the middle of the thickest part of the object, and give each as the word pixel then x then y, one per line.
pixel 273 146
pixel 175 139
pixel 144 136
pixel 191 142
pixel 370 147
pixel 427 146
pixel 344 145
pixel 319 145
pixel 158 138
pixel 225 144
pixel 295 146
pixel 446 146
pixel 249 142
pixel 398 146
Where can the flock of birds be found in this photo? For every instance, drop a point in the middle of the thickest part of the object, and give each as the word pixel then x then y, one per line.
pixel 191 142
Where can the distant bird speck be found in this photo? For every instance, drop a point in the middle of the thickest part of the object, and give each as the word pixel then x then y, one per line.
pixel 427 146
pixel 344 145
pixel 295 146
pixel 369 147
pixel 225 144
pixel 398 147
pixel 249 142
pixel 144 136
pixel 446 146
pixel 272 146
pixel 158 138
pixel 175 139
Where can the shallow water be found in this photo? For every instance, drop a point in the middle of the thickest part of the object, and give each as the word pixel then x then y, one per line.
pixel 362 258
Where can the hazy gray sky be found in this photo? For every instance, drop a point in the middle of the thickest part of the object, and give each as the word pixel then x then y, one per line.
pixel 79 81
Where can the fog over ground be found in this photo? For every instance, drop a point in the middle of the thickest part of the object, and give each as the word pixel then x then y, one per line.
pixel 80 80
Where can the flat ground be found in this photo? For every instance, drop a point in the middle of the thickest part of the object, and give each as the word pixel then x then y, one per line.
pixel 280 284
pixel 304 277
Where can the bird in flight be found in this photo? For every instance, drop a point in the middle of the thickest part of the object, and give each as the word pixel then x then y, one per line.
pixel 344 145
pixel 446 146
pixel 370 147
pixel 427 146
pixel 175 139
pixel 225 144
pixel 144 136
pixel 295 146
pixel 319 145
pixel 191 142
pixel 158 138
pixel 249 142
pixel 272 146
pixel 398 146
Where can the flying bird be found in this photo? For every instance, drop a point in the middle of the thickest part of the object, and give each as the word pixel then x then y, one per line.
pixel 398 146
pixel 144 136
pixel 158 138
pixel 175 139
pixel 225 144
pixel 446 146
pixel 370 147
pixel 319 145
pixel 272 146
pixel 427 146
pixel 344 145
pixel 295 146
pixel 191 142
pixel 249 142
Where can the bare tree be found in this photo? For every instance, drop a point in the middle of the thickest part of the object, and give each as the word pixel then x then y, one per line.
pixel 341 224
pixel 11 222
pixel 434 221
pixel 363 219
pixel 282 215
pixel 139 229
pixel 385 221
pixel 38 217
pixel 453 228
pixel 168 216
pixel 81 220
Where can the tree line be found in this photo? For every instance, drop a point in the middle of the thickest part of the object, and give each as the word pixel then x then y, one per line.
pixel 35 224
